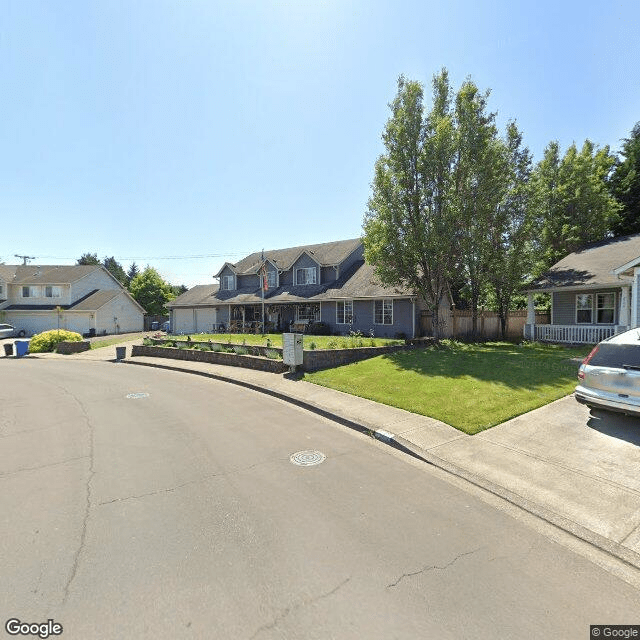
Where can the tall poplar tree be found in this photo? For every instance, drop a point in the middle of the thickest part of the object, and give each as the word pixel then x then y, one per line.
pixel 409 228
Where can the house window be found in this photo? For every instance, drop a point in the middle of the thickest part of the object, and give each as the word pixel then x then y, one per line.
pixel 1 289
pixel 227 283
pixel 605 308
pixel 344 312
pixel 584 308
pixel 383 312
pixel 30 292
pixel 271 279
pixel 52 292
pixel 306 275
pixel 310 312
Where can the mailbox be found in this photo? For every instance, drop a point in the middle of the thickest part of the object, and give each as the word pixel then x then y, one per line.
pixel 292 349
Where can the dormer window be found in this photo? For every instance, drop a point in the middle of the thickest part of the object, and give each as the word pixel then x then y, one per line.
pixel 227 283
pixel 30 292
pixel 271 279
pixel 308 275
pixel 52 292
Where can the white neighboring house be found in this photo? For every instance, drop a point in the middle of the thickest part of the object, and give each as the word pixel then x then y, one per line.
pixel 82 298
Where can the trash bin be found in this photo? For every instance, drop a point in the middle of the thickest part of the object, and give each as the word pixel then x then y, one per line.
pixel 8 349
pixel 155 325
pixel 92 333
pixel 22 348
pixel 121 353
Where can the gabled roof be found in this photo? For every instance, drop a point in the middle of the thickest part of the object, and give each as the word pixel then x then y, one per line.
pixel 325 254
pixel 200 294
pixel 360 281
pixel 592 266
pixel 45 274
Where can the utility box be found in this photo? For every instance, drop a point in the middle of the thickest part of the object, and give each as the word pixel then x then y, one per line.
pixel 292 349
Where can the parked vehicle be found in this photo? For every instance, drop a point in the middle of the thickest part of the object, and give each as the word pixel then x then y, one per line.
pixel 9 331
pixel 610 375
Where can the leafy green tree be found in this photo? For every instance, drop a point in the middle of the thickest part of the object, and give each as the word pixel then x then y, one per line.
pixel 574 205
pixel 409 227
pixel 151 291
pixel 511 231
pixel 479 186
pixel 88 258
pixel 178 290
pixel 625 185
pixel 115 269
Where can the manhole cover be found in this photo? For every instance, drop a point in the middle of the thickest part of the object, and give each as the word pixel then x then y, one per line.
pixel 307 458
pixel 135 396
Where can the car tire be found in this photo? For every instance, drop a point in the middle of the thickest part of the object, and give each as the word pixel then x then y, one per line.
pixel 22 333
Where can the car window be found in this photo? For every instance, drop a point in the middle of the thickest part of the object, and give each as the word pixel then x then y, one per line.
pixel 616 355
pixel 5 326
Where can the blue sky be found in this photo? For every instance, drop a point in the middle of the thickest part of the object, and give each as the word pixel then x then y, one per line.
pixel 158 131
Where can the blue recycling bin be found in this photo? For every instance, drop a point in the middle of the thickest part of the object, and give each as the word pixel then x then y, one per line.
pixel 22 348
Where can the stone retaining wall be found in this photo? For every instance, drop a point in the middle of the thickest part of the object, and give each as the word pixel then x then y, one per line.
pixel 213 357
pixel 329 358
pixel 68 348
pixel 312 360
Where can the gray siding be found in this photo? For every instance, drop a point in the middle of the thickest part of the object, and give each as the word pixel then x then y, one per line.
pixel 305 261
pixel 99 279
pixel 129 317
pixel 248 281
pixel 564 305
pixel 363 312
pixel 328 274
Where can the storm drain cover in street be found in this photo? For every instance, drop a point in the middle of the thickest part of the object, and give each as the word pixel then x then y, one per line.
pixel 307 458
pixel 135 396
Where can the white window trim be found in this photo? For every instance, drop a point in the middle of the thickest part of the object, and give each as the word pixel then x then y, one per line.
pixel 306 269
pixel 225 281
pixel 344 312
pixel 54 288
pixel 383 323
pixel 34 291
pixel 274 276
pixel 606 293
pixel 576 308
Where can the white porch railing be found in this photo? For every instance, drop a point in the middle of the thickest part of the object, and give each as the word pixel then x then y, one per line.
pixel 577 334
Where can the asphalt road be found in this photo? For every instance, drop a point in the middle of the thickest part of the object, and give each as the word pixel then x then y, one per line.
pixel 180 515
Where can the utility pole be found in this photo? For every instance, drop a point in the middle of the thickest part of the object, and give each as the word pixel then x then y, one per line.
pixel 24 258
pixel 263 277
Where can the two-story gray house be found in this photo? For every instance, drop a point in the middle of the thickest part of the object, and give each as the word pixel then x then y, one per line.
pixel 328 282
pixel 82 298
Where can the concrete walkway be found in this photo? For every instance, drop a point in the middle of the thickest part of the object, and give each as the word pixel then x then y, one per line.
pixel 576 470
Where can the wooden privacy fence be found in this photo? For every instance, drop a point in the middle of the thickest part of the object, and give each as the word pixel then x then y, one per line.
pixel 455 323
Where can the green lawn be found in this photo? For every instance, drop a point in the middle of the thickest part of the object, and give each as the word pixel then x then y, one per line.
pixel 470 386
pixel 321 342
pixel 107 342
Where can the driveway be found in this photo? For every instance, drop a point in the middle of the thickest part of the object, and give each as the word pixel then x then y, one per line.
pixel 579 463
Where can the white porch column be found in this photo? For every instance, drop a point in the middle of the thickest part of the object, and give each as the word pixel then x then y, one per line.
pixel 530 330
pixel 635 291
pixel 625 307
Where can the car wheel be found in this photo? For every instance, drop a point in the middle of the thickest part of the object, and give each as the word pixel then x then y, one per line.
pixel 22 333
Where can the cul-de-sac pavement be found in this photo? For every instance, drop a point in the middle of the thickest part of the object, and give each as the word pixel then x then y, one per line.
pixel 146 502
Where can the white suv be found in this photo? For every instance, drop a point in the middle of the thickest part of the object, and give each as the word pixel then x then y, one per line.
pixel 610 375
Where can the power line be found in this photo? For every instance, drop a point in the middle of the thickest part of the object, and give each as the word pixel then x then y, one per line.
pixel 193 257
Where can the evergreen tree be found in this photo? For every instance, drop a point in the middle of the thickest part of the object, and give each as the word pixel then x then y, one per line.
pixel 625 185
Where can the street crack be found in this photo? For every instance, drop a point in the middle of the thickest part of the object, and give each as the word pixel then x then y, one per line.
pixel 305 602
pixel 433 567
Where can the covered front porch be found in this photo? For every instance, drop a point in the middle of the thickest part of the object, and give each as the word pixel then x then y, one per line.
pixel 583 316
pixel 248 318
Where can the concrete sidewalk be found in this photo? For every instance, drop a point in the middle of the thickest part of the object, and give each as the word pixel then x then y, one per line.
pixel 576 471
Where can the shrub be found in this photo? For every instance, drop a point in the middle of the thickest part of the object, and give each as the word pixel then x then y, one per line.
pixel 147 342
pixel 48 340
pixel 319 329
pixel 272 354
pixel 313 346
pixel 240 351
pixel 332 344
pixel 217 348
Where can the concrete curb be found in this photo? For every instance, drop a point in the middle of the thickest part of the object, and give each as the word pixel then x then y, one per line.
pixel 401 444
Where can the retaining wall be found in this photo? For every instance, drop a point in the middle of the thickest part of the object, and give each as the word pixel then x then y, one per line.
pixel 68 348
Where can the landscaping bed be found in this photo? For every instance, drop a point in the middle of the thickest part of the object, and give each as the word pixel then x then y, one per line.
pixel 470 386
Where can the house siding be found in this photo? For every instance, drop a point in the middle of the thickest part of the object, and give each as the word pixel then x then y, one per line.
pixel 564 305
pixel 328 274
pixel 129 317
pixel 248 281
pixel 305 261
pixel 15 295
pixel 356 255
pixel 363 317
pixel 98 279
